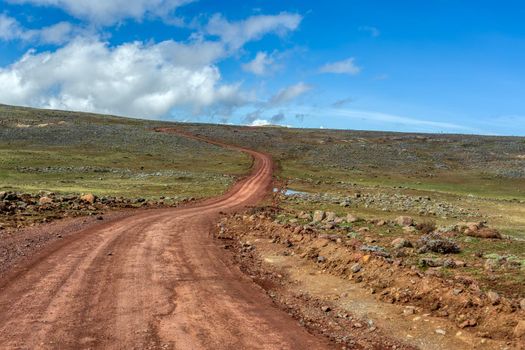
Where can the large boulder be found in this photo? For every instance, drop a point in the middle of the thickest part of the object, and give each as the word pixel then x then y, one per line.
pixel 479 230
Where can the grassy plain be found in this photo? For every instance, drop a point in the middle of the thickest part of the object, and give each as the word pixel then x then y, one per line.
pixel 68 152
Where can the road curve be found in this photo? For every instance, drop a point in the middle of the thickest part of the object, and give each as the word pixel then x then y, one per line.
pixel 153 280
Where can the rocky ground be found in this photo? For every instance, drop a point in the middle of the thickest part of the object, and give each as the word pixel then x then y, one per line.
pixel 422 205
pixel 18 210
pixel 418 267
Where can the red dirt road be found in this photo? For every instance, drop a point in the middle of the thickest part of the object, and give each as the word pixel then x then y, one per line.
pixel 153 280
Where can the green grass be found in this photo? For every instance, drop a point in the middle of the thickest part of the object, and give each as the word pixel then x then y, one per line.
pixel 104 155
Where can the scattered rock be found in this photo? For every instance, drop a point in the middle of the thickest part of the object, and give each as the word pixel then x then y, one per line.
pixel 449 263
pixel 319 215
pixel 519 330
pixel 330 216
pixel 494 297
pixel 45 200
pixel 351 218
pixel 468 323
pixel 430 262
pixel 483 232
pixel 457 291
pixel 491 264
pixel 326 308
pixel 405 221
pixel 440 331
pixel 409 229
pixel 399 243
pixel 409 310
pixel 437 244
pixel 88 198
pixel 356 268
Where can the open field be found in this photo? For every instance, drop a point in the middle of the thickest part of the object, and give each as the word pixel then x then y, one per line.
pixel 482 174
pixel 69 152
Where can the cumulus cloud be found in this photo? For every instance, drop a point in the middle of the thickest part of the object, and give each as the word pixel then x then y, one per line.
pixel 373 31
pixel 289 93
pixel 347 66
pixel 236 34
pixel 106 12
pixel 136 79
pixel 11 29
pixel 260 65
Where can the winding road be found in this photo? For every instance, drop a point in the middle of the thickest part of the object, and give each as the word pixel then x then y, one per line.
pixel 152 280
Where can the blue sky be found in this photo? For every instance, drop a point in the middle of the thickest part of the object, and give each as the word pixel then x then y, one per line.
pixel 433 66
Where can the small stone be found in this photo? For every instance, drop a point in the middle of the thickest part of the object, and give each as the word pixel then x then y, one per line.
pixel 468 323
pixel 522 304
pixel 321 259
pixel 405 221
pixel 45 200
pixel 409 310
pixel 440 331
pixel 519 330
pixel 449 263
pixel 365 258
pixel 399 243
pixel 493 297
pixel 351 218
pixel 358 325
pixel 356 268
pixel 330 216
pixel 430 262
pixel 88 198
pixel 326 308
pixel 319 215
pixel 457 291
pixel 409 229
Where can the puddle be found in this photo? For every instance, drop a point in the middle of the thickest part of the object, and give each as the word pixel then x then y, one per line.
pixel 289 192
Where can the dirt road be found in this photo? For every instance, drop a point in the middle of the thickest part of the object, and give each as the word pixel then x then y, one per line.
pixel 153 280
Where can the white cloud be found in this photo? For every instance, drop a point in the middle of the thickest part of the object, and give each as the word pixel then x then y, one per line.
pixel 373 31
pixel 260 65
pixel 347 66
pixel 11 29
pixel 236 34
pixel 131 79
pixel 290 93
pixel 260 122
pixel 107 12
